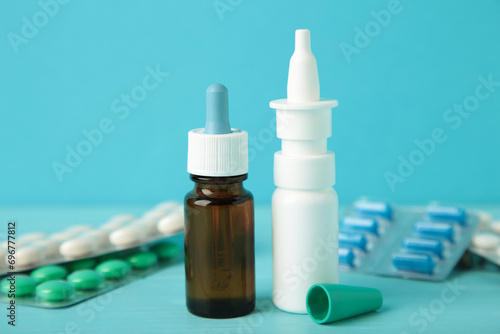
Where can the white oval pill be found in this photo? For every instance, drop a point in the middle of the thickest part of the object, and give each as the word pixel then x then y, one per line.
pixel 52 246
pixel 13 243
pixel 123 217
pixel 79 247
pixel 113 225
pixel 486 241
pixel 167 206
pixel 154 214
pixel 484 218
pixel 32 236
pixel 148 224
pixel 30 255
pixel 495 227
pixel 79 228
pixel 63 236
pixel 3 255
pixel 102 236
pixel 117 221
pixel 127 236
pixel 172 223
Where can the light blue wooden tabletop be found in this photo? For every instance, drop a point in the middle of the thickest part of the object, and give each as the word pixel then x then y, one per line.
pixel 468 302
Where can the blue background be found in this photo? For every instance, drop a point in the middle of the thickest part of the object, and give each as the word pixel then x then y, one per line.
pixel 394 91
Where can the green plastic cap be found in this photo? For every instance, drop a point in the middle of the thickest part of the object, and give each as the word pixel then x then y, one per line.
pixel 332 302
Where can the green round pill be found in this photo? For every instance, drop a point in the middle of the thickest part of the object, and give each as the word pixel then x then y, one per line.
pixel 85 279
pixel 142 260
pixel 20 285
pixel 165 250
pixel 55 290
pixel 81 264
pixel 113 269
pixel 48 273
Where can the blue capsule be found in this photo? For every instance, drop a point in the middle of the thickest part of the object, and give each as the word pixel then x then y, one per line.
pixel 363 224
pixel 419 263
pixel 357 240
pixel 381 209
pixel 449 213
pixel 424 245
pixel 346 257
pixel 441 230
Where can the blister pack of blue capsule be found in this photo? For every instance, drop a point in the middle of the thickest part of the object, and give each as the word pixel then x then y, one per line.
pixel 415 242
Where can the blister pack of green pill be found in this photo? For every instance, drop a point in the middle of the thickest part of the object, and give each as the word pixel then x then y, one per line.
pixel 82 261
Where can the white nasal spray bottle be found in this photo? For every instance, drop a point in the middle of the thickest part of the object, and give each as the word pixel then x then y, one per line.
pixel 304 206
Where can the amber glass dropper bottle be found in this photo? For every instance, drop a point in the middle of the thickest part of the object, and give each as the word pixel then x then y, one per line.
pixel 219 217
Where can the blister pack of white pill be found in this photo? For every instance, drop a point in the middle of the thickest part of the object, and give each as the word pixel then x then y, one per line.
pixel 486 241
pixel 416 242
pixel 77 242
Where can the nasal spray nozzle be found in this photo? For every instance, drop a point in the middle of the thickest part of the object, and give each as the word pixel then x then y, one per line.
pixel 303 80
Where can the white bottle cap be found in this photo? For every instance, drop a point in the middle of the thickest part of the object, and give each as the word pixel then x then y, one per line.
pixel 217 150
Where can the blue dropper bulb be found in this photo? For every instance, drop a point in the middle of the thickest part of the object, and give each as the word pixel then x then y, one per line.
pixel 217 110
